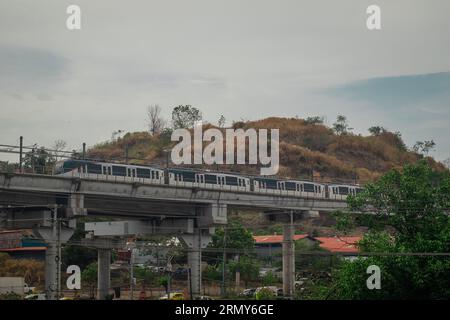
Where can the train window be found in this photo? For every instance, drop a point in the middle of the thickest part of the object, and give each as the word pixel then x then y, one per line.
pixel 157 174
pixel 308 187
pixel 343 190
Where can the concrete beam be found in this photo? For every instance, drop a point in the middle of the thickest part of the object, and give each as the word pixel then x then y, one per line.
pixel 75 205
pixel 130 192
pixel 168 226
pixel 212 214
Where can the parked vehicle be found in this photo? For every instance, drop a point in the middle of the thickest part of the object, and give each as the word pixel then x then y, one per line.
pixel 203 298
pixel 248 293
pixel 15 285
pixel 35 296
pixel 173 296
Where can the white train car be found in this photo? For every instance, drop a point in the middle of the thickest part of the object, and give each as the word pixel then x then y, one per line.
pixel 208 180
pixel 341 191
pixel 110 171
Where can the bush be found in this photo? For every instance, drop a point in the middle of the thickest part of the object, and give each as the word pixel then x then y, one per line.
pixel 265 294
pixel 10 296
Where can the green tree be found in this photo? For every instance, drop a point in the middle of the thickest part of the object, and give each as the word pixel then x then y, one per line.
pixel 185 116
pixel 145 275
pixel 270 279
pixel 39 160
pixel 424 147
pixel 314 120
pixel 164 281
pixel 376 130
pixel 221 122
pixel 248 267
pixel 89 277
pixel 79 255
pixel 341 127
pixel 265 294
pixel 235 235
pixel 408 214
pixel 240 240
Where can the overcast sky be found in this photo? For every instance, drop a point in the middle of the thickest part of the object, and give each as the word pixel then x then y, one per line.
pixel 243 59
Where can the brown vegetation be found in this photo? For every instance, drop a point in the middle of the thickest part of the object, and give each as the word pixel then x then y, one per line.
pixel 306 151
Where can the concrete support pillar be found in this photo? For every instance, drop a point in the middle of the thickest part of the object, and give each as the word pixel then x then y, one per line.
pixel 104 261
pixel 195 242
pixel 51 264
pixel 54 234
pixel 195 265
pixel 288 260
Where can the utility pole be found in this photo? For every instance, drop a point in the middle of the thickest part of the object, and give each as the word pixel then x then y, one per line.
pixel 84 150
pixel 224 256
pixel 288 258
pixel 167 151
pixel 238 275
pixel 21 154
pixel 190 283
pixel 58 274
pixel 131 274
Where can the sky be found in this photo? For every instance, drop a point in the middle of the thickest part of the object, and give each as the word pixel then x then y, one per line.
pixel 243 59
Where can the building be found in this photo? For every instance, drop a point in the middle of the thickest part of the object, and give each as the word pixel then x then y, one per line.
pixel 22 244
pixel 339 244
pixel 269 246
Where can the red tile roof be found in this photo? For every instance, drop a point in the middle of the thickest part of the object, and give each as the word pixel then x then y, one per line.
pixel 276 238
pixel 333 244
pixel 339 244
pixel 23 249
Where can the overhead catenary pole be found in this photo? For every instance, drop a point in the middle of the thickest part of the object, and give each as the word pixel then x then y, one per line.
pixel 84 150
pixel 20 154
pixel 288 258
pixel 224 256
pixel 58 258
pixel 131 274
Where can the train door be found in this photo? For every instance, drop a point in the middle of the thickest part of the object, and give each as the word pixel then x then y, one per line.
pixel 281 186
pixel 327 192
pixel 241 184
pixel 221 181
pixel 131 173
pixel 200 179
pixel 106 170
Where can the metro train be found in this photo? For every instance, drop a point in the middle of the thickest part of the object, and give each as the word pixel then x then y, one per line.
pixel 203 179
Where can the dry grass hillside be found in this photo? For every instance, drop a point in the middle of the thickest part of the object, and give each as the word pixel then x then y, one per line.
pixel 306 151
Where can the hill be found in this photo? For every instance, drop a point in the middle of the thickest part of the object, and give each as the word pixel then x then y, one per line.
pixel 308 150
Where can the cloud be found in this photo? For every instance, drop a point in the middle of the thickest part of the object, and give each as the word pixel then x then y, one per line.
pixel 398 91
pixel 30 64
